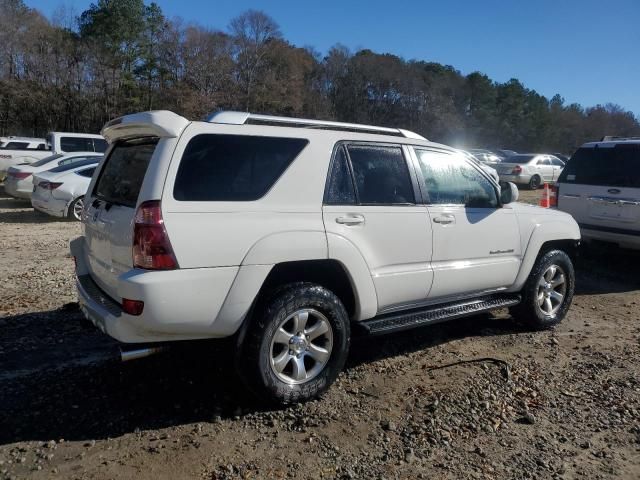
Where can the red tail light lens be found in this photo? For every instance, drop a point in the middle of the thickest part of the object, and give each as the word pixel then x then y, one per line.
pixel 151 247
pixel 49 185
pixel 19 175
pixel 132 307
pixel 517 170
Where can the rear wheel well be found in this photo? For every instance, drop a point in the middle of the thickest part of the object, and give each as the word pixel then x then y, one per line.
pixel 328 273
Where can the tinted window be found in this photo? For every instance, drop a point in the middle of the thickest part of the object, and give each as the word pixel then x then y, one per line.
pixel 87 172
pixel 381 175
pixel 100 145
pixel 123 172
pixel 233 167
pixel 340 189
pixel 17 145
pixel 557 162
pixel 76 144
pixel 519 158
pixel 71 166
pixel 450 179
pixel 45 160
pixel 611 167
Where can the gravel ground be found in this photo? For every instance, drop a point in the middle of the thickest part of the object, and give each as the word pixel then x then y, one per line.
pixel 476 398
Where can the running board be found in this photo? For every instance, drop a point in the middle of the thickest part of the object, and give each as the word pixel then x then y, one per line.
pixel 395 322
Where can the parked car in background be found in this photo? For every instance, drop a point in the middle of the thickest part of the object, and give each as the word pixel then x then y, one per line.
pixel 530 169
pixel 19 181
pixel 56 142
pixel 60 191
pixel 23 143
pixel 506 153
pixel 283 234
pixel 486 156
pixel 490 170
pixel 562 157
pixel 600 188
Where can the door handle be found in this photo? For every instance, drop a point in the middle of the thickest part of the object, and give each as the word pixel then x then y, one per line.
pixel 350 220
pixel 445 219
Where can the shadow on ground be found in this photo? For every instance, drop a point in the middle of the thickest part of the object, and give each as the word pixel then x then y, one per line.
pixel 61 378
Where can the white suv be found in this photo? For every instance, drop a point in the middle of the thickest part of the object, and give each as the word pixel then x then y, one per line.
pixel 600 187
pixel 286 233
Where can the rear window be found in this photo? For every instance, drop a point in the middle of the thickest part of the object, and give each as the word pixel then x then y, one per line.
pixel 87 172
pixel 123 172
pixel 45 160
pixel 70 166
pixel 519 159
pixel 233 167
pixel 76 144
pixel 99 145
pixel 610 167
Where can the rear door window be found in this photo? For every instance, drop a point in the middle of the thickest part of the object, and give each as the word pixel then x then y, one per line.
pixel 611 167
pixel 124 170
pixel 233 167
pixel 381 175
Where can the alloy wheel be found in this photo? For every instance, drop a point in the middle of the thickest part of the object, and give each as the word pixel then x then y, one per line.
pixel 301 346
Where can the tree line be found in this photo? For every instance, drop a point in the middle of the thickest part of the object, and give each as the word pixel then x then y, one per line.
pixel 76 72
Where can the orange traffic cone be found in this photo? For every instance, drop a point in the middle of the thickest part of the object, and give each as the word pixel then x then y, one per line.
pixel 549 197
pixel 545 199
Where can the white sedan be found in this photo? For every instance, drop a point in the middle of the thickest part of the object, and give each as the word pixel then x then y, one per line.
pixel 19 181
pixel 530 169
pixel 60 191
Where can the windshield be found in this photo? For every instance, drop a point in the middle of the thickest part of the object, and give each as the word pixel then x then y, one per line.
pixel 122 175
pixel 46 160
pixel 611 167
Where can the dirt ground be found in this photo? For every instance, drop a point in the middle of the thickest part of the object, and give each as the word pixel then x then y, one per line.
pixel 475 398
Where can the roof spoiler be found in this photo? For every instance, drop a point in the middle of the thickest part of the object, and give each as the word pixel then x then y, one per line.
pixel 157 123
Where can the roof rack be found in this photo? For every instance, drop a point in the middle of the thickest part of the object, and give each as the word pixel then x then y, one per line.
pixel 610 138
pixel 243 118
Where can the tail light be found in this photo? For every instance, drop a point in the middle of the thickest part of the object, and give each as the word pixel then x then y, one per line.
pixel 517 170
pixel 151 246
pixel 49 185
pixel 19 175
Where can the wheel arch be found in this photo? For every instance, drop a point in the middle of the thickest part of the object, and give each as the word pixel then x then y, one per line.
pixel 547 236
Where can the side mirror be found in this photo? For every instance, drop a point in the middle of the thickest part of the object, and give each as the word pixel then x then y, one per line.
pixel 508 192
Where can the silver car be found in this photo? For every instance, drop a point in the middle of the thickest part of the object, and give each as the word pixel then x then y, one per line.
pixel 530 169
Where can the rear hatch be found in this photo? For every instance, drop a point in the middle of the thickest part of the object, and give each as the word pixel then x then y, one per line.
pixel 110 210
pixel 600 188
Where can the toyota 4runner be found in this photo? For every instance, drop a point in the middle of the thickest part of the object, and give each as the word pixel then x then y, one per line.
pixel 285 234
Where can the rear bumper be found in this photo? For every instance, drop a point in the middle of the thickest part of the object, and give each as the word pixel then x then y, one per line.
pixel 629 240
pixel 51 206
pixel 519 179
pixel 17 188
pixel 178 304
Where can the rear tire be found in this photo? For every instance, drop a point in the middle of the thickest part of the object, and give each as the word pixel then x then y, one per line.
pixel 75 209
pixel 296 345
pixel 548 292
pixel 534 182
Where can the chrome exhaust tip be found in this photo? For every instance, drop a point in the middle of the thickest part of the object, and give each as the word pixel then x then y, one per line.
pixel 126 355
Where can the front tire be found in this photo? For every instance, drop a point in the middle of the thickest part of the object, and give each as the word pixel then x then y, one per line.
pixel 548 292
pixel 297 344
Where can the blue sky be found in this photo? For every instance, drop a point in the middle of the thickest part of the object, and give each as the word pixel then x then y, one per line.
pixel 586 50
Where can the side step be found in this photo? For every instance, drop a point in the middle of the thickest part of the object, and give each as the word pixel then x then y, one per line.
pixel 397 321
